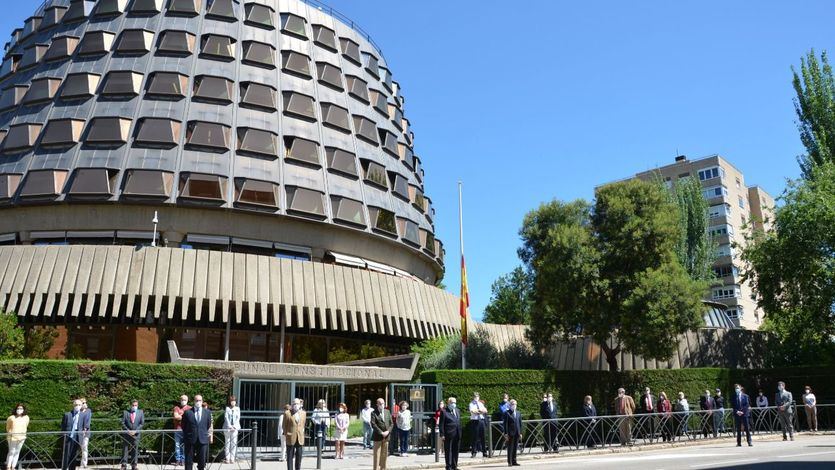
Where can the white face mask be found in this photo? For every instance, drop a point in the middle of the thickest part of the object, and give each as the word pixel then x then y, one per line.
pixel 295 407
pixel 513 407
pixel 452 406
pixel 183 402
pixel 342 410
pixel 780 388
pixel 738 389
pixel 133 408
pixel 19 411
pixel 198 404
pixel 76 408
pixel 233 403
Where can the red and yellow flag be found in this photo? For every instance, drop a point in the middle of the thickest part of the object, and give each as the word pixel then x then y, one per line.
pixel 465 302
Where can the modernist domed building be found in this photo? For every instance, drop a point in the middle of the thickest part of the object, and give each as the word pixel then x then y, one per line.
pixel 237 176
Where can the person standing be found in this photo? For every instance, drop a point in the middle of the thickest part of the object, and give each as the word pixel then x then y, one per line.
pixel 437 419
pixel 719 414
pixel 381 425
pixel 197 433
pixel 682 408
pixel 549 411
pixel 478 418
pixel 404 427
pixel 365 417
pixel 16 425
pixel 84 424
pixel 231 425
pixel 282 438
pixel 321 422
pixel 450 429
pixel 742 414
pixel 707 405
pixel 665 409
pixel 179 408
pixel 647 405
pixel 762 400
pixel 294 422
pixel 785 409
pixel 625 408
pixel 512 433
pixel 132 421
pixel 342 421
pixel 590 412
pixel 72 435
pixel 810 404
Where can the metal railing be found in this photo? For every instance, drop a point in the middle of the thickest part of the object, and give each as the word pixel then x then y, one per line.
pixel 347 21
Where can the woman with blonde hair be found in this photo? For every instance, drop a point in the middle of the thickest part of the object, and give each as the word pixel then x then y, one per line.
pixel 342 420
pixel 16 426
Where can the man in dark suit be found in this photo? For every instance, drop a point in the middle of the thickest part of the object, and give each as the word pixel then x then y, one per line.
pixel 196 425
pixel 707 405
pixel 647 406
pixel 449 426
pixel 742 414
pixel 381 426
pixel 548 410
pixel 132 421
pixel 512 433
pixel 71 427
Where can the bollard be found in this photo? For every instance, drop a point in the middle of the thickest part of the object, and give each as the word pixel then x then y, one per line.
pixel 489 439
pixel 437 444
pixel 254 445
pixel 319 441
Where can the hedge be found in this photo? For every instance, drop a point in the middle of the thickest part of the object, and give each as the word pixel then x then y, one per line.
pixel 569 387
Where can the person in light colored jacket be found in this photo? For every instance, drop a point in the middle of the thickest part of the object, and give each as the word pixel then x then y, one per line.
pixel 321 422
pixel 365 416
pixel 404 427
pixel 231 425
pixel 682 406
pixel 84 424
pixel 16 426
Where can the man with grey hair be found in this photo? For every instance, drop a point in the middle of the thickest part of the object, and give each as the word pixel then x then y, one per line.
pixel 625 408
pixel 512 422
pixel 293 427
pixel 381 425
pixel 71 427
pixel 785 409
pixel 449 426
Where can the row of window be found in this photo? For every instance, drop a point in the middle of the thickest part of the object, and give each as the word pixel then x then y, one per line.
pixel 724 250
pixel 714 191
pixel 720 210
pixel 726 271
pixel 710 173
pixel 726 292
pixel 735 313
pixel 720 230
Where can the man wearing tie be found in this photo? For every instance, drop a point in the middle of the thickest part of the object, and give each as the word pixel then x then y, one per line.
pixel 449 426
pixel 707 404
pixel 742 415
pixel 648 403
pixel 132 421
pixel 624 407
pixel 512 433
pixel 197 423
pixel 70 426
pixel 548 410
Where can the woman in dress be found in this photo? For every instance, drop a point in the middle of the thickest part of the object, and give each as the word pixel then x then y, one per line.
pixel 342 420
pixel 16 426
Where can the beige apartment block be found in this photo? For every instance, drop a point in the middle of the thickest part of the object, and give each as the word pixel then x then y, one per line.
pixel 734 208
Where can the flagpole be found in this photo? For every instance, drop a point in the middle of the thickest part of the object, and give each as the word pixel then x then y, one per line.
pixel 461 236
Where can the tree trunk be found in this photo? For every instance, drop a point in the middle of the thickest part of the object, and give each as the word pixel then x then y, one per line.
pixel 611 356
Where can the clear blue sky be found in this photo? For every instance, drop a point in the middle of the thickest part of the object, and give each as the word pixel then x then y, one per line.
pixel 551 98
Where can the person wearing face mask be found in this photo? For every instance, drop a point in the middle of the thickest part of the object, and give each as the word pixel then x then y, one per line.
pixel 84 424
pixel 625 407
pixel 478 427
pixel 512 432
pixel 665 409
pixel 682 407
pixel 810 404
pixel 231 424
pixel 707 405
pixel 72 436
pixel 365 417
pixel 784 401
pixel 742 414
pixel 719 414
pixel 449 426
pixel 16 426
pixel 381 425
pixel 549 411
pixel 179 409
pixel 342 421
pixel 197 434
pixel 282 438
pixel 589 411
pixel 132 421
pixel 294 423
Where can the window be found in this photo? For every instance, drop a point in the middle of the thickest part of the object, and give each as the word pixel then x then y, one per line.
pixel 294 25
pixel 157 132
pixel 714 191
pixel 96 43
pixel 215 46
pixel 212 89
pixel 396 116
pixel 8 185
pixel 416 198
pixel 258 96
pixel 80 85
pixel 399 185
pixel 301 150
pixel 336 116
pixel 122 83
pixel 203 186
pixel 350 50
pixel 427 241
pixel 110 7
pixel 184 7
pixel 382 220
pixel 259 53
pixel 385 78
pixel 78 10
pixel 10 65
pixel 42 89
pixel 62 48
pixel 726 292
pixel 221 10
pixel 713 172
pixel 418 169
pixel 720 210
pixel 135 42
pixel 738 184
pixel 371 64
pixel 348 211
pixel 41 183
pixel 341 161
pixel 741 202
pixel 145 7
pixel 298 105
pixel 406 155
pixel 329 75
pixel 207 135
pixel 167 85
pixel 62 132
pixel 726 271
pixel 324 37
pixel 357 88
pixel 305 201
pixel 720 230
pixel 724 250
pixel 21 137
pixel 256 193
pixel 12 96
pixel 257 14
pixel 32 55
pixel 365 129
pixel 148 183
pixel 408 231
pixel 92 182
pixel 295 63
pixel 378 101
pixel 389 142
pixel 30 26
pixel 107 131
pixel 52 16
pixel 375 174
pixel 257 141
pixel 176 43
pixel 735 313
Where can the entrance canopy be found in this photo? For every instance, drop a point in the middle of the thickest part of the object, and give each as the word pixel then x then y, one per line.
pixel 384 369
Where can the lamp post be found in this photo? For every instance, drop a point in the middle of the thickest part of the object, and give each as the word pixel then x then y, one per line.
pixel 155 221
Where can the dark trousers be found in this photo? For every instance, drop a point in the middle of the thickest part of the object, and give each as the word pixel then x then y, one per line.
pixel 552 441
pixel 451 447
pixel 707 425
pixel 202 451
pixel 739 423
pixel 512 447
pixel 477 433
pixel 130 450
pixel 294 456
pixel 70 455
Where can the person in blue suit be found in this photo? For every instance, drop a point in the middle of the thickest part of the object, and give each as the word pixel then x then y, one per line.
pixel 512 422
pixel 742 414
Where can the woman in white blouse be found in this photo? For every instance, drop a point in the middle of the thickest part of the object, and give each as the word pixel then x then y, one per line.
pixel 231 424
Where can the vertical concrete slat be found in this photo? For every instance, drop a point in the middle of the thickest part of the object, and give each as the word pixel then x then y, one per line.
pixel 343 305
pixel 309 293
pixel 227 281
pixel 251 292
pixel 28 285
pixel 319 294
pixel 275 289
pixel 187 285
pixel 287 291
pixel 96 276
pixel 330 295
pixel 356 278
pixel 263 276
pixel 213 283
pixel 44 279
pixel 239 285
pixel 175 276
pixel 70 276
pixel 83 279
pixel 369 300
pixel 160 290
pixel 299 299
pixel 201 275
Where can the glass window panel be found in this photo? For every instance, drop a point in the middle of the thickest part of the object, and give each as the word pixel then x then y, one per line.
pixel 341 161
pixel 336 116
pixel 357 88
pixel 213 89
pixel 152 183
pixel 389 142
pixel 52 16
pixel 167 84
pixel 180 43
pixel 296 63
pixel 348 210
pixel 146 6
pixel 258 53
pixel 259 15
pixel 134 41
pixel 399 185
pixel 258 95
pixel 21 137
pixel 80 85
pixel 42 89
pixel 409 231
pixel 12 96
pixel 350 50
pixel 302 150
pixel 43 183
pixel 371 64
pixel 299 105
pixel 110 7
pixel 375 173
pixel 293 24
pixel 61 48
pixel 208 135
pixel 329 75
pixel 158 132
pixel 324 37
pixel 96 42
pixel 221 9
pixel 383 220
pixel 306 201
pixel 216 46
pixel 202 186
pixel 8 185
pixel 107 130
pixel 257 141
pixel 92 181
pixel 365 129
pixel 62 132
pixel 261 193
pixel 184 7
pixel 122 83
pixel 32 55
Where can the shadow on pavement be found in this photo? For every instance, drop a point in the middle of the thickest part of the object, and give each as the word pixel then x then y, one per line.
pixel 783 465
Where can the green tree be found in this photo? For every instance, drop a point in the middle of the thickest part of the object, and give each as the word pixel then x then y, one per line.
pixel 510 302
pixel 815 108
pixel 610 272
pixel 39 340
pixel 695 249
pixel 445 352
pixel 12 338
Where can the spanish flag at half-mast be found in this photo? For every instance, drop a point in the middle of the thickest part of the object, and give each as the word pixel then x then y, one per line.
pixel 465 302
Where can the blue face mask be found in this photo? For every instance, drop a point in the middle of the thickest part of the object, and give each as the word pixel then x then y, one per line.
pixel 133 408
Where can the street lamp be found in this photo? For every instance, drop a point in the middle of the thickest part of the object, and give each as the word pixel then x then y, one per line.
pixel 155 221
